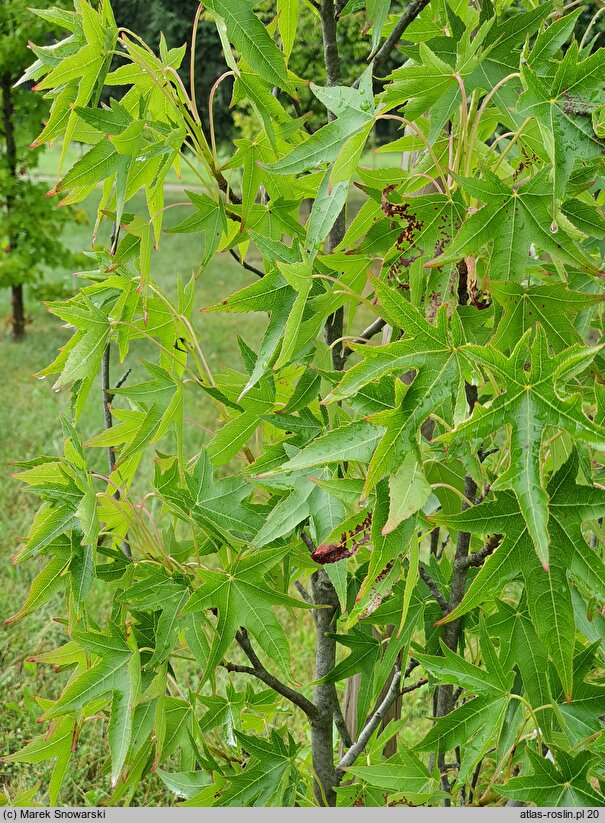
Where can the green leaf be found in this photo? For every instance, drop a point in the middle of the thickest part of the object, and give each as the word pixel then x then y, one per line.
pixel 353 441
pixel 327 206
pixel 44 586
pixel 434 351
pixel 408 492
pixel 548 594
pixel 288 13
pixel 365 653
pixel 243 597
pixel 82 354
pixel 553 306
pixel 528 403
pixel 511 220
pixel 58 743
pixel 404 774
pixel 252 40
pixel 349 156
pixel 216 505
pixel 564 783
pixel 354 109
pixel 268 774
pixel 452 668
pixel 184 784
pixel 558 102
pixel 208 218
pixel 481 715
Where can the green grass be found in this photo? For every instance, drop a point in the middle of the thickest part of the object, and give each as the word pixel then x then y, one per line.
pixel 30 425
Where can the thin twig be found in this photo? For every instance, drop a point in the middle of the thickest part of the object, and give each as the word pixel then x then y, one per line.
pixel 434 588
pixel 395 690
pixel 477 558
pixel 245 265
pixel 307 541
pixel 303 592
pixel 408 17
pixel 260 672
pixel 106 399
pixel 340 723
pixel 367 334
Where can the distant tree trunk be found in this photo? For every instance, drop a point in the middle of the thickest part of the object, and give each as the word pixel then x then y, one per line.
pixel 18 313
pixel 11 160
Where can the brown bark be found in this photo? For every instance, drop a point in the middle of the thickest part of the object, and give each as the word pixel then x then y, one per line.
pixel 8 115
pixel 18 312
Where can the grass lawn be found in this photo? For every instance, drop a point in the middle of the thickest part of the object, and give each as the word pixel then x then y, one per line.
pixel 30 426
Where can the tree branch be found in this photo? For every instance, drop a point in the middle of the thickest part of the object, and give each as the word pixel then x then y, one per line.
pixel 335 323
pixel 408 17
pixel 303 592
pixel 442 602
pixel 322 736
pixel 260 672
pixel 367 334
pixel 106 398
pixel 395 690
pixel 477 558
pixel 307 541
pixel 245 265
pixel 340 723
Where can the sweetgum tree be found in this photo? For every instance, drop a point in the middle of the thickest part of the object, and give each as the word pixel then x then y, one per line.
pixel 411 454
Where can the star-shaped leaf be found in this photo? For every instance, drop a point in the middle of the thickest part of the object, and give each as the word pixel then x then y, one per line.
pixel 217 505
pixel 433 351
pixel 552 305
pixel 158 592
pixel 270 776
pixel 561 102
pixel 77 78
pixel 513 218
pixel 116 673
pixel 563 783
pixel 208 218
pixel 243 597
pixel 548 595
pixel 403 774
pixel 529 402
pixel 492 684
pixel 354 108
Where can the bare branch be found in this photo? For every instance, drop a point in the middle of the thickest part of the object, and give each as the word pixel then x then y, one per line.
pixel 367 334
pixel 307 541
pixel 477 558
pixel 395 690
pixel 303 592
pixel 260 672
pixel 408 17
pixel 245 265
pixel 107 397
pixel 340 723
pixel 442 602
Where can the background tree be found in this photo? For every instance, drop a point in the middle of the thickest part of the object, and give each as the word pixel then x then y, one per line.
pixel 30 227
